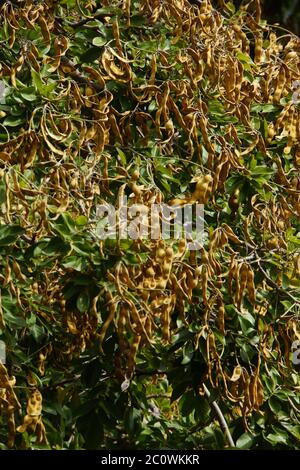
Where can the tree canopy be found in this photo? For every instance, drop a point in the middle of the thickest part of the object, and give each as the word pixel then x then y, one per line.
pixel 123 343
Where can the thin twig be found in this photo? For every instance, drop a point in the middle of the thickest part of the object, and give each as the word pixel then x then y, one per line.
pixel 275 286
pixel 159 395
pixel 79 77
pixel 293 406
pixel 83 21
pixel 220 416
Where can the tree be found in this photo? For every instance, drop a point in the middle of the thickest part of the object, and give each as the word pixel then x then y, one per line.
pixel 145 343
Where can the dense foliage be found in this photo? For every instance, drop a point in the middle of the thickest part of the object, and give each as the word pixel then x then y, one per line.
pixel 115 343
pixel 285 12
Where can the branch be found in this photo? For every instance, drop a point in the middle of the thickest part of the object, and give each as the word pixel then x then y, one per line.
pixel 83 21
pixel 293 406
pixel 220 416
pixel 159 395
pixel 148 372
pixel 79 77
pixel 275 286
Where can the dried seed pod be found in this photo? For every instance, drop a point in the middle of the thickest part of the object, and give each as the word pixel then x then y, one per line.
pixel 121 327
pixel 169 252
pixel 242 276
pixel 150 272
pixel 32 420
pixel 112 306
pixel 236 374
pixel 281 80
pixel 165 323
pixel 19 275
pixel 234 201
pixel 137 321
pixel 204 283
pixel 204 186
pixel 149 326
pixel 271 131
pixel 132 355
pixel 221 317
pixel 259 54
pixel 251 285
pixel 160 254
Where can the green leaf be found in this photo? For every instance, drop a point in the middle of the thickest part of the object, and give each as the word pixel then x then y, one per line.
pixel 203 409
pixel 132 259
pixel 244 58
pixel 262 171
pixel 43 89
pixel 245 441
pixel 293 430
pixel 152 106
pixel 11 121
pixel 55 246
pixel 246 325
pixel 38 332
pixel 122 156
pixel 187 353
pixel 47 89
pixel 230 7
pixel 91 427
pixel 274 405
pixel 11 314
pixel 37 81
pixel 81 247
pixel 132 420
pixel 90 55
pixel 81 220
pixel 264 108
pixel 279 437
pixel 65 225
pixel 99 41
pixel 187 403
pixel 83 302
pixel 9 234
pixel 28 94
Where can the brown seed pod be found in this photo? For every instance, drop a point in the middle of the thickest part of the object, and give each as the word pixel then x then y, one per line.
pixel 281 80
pixel 204 186
pixel 259 52
pixel 150 272
pixel 160 254
pixel 169 253
pixel 234 201
pixel 33 421
pixel 112 306
pixel 204 283
pixel 221 317
pixel 132 355
pixel 251 285
pixel 165 322
pixel 123 322
pixel 242 278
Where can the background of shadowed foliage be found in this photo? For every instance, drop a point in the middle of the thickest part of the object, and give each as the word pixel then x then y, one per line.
pixel 284 12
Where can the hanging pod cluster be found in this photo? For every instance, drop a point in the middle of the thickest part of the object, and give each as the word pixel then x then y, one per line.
pixel 9 403
pixel 33 419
